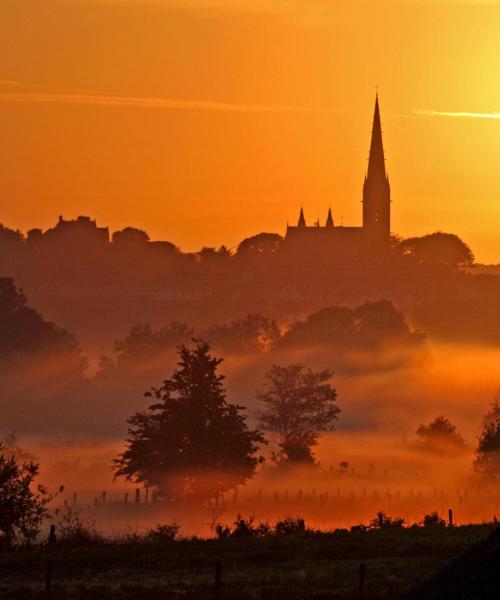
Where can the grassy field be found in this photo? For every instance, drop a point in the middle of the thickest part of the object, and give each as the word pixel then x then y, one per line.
pixel 310 565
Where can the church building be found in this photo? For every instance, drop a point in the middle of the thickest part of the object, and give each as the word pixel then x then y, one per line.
pixel 370 240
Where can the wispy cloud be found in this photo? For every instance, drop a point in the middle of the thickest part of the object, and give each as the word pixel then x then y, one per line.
pixel 461 114
pixel 10 83
pixel 145 102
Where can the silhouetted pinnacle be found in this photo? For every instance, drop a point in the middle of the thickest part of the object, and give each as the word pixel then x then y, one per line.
pixel 329 219
pixel 302 220
pixel 376 162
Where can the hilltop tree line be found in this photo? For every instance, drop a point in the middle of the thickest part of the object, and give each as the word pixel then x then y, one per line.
pixel 82 236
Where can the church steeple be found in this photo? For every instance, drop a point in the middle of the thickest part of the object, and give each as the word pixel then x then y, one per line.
pixel 376 161
pixel 376 189
pixel 329 219
pixel 302 220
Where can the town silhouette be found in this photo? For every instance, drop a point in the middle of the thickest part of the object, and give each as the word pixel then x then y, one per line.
pixel 298 389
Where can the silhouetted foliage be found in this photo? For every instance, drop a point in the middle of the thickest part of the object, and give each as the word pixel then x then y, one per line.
pixel 242 528
pixel 130 235
pixel 161 534
pixel 191 442
pixel 433 520
pixel 488 449
pixel 254 333
pixel 297 405
pixel 142 346
pixel 290 526
pixel 370 325
pixel 446 249
pixel 73 529
pixel 493 414
pixel 382 521
pixel 440 435
pixel 259 247
pixel 24 331
pixel 22 509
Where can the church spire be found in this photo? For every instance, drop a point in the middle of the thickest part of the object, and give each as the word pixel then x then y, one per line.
pixel 376 162
pixel 329 219
pixel 302 220
pixel 376 189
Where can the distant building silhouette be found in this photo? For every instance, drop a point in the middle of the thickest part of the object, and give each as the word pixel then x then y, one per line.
pixel 344 243
pixel 82 230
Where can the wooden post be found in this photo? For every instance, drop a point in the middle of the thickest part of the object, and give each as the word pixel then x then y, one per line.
pixel 125 498
pixel 48 577
pixel 218 580
pixel 74 499
pixel 103 495
pixel 137 495
pixel 361 578
pixel 450 517
pixel 50 565
pixel 52 536
pixel 146 498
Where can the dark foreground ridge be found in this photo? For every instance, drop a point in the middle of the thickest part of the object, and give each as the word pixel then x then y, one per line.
pixel 475 574
pixel 341 565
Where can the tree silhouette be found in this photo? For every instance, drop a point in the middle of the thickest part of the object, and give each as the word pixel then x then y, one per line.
pixel 440 435
pixel 192 442
pixel 254 333
pixel 439 248
pixel 297 404
pixel 259 247
pixel 22 508
pixel 488 449
pixel 130 235
pixel 24 331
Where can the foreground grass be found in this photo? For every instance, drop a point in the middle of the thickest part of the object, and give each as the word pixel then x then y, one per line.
pixel 311 565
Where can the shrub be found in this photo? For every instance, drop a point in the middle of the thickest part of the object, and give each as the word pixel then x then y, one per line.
pixel 163 533
pixel 382 521
pixel 72 529
pixel 290 526
pixel 433 520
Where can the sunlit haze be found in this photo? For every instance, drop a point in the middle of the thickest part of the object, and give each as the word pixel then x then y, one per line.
pixel 206 121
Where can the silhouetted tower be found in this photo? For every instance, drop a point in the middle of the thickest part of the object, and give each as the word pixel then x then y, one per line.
pixel 377 191
pixel 329 219
pixel 302 220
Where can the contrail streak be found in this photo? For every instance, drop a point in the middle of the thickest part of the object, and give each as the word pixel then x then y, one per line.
pixel 141 102
pixel 466 115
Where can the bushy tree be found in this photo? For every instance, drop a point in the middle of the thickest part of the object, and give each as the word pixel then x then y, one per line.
pixel 297 405
pixel 254 333
pixel 130 235
pixel 191 442
pixel 22 509
pixel 488 449
pixel 440 435
pixel 24 331
pixel 259 247
pixel 370 325
pixel 438 248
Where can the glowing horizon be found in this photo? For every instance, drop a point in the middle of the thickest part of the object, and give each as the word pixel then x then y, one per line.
pixel 227 117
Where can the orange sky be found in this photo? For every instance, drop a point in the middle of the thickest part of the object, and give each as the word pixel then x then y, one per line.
pixel 205 121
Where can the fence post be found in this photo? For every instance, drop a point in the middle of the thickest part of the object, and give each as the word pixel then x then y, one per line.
pixel 218 580
pixel 74 499
pixel 52 536
pixel 48 577
pixel 137 495
pixel 361 578
pixel 50 565
pixel 450 517
pixel 103 497
pixel 125 498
